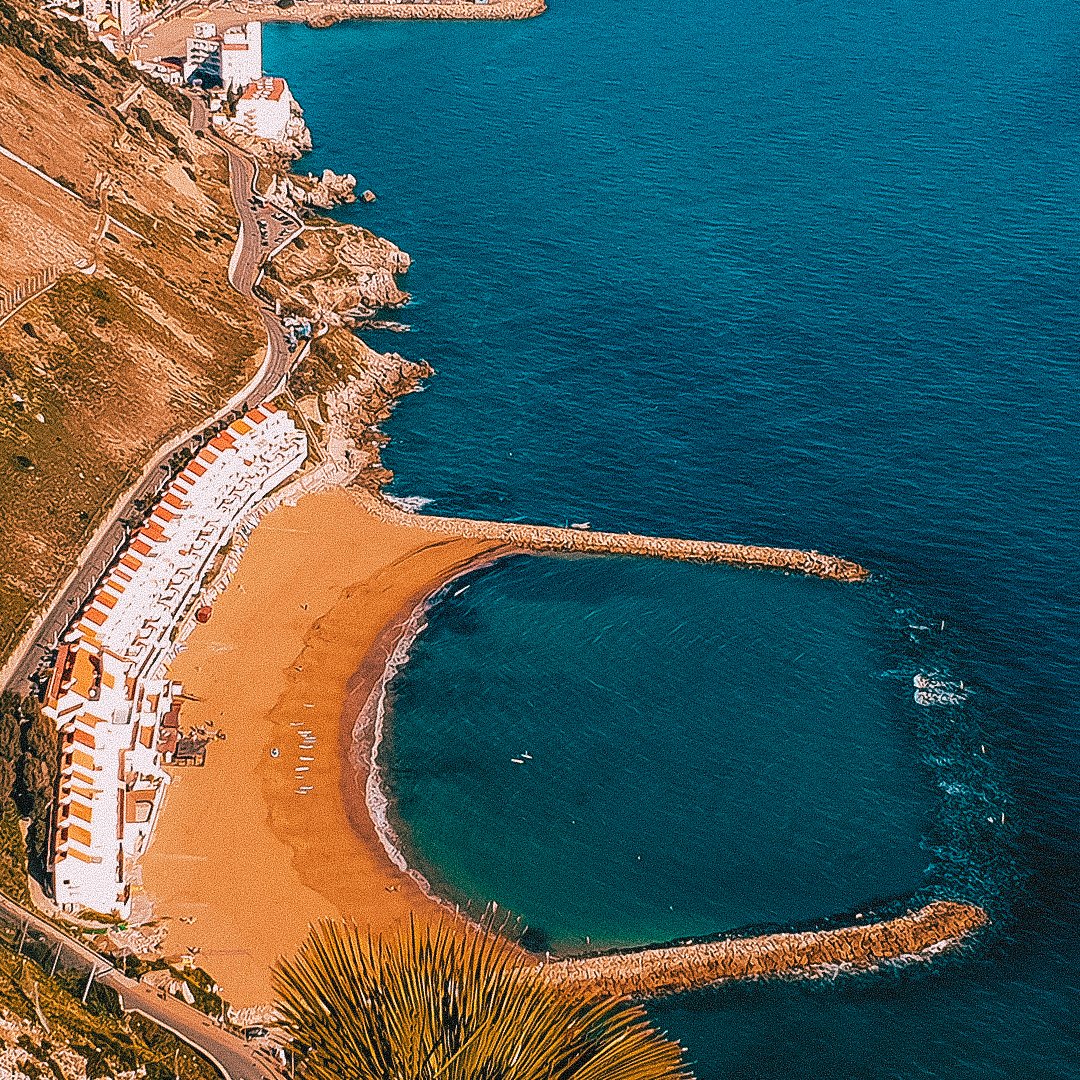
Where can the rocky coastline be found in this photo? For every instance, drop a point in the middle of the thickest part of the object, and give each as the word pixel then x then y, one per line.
pixel 337 275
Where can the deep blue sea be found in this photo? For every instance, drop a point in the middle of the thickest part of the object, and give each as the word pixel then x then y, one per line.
pixel 798 273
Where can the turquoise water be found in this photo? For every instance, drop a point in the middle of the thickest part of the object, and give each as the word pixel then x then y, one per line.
pixel 798 273
pixel 708 748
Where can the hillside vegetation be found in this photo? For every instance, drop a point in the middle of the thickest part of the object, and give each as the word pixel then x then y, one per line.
pixel 140 335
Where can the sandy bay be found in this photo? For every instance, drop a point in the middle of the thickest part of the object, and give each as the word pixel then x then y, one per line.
pixel 307 622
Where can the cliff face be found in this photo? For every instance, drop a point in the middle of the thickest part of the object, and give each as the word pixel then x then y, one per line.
pixel 138 334
pixel 337 274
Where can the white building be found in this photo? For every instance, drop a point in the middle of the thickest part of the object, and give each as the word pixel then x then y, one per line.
pixel 202 61
pixel 265 109
pixel 127 14
pixel 115 710
pixel 241 55
pixel 232 58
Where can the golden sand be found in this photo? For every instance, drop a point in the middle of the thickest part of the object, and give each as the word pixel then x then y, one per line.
pixel 317 596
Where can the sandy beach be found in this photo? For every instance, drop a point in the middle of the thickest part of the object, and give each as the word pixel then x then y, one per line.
pixel 306 623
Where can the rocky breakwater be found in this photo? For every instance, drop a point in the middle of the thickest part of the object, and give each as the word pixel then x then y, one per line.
pixel 320 13
pixel 337 275
pixel 550 539
pixel 915 936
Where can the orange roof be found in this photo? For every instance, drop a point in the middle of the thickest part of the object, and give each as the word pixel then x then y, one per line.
pixel 141 547
pixel 165 515
pixel 267 88
pixel 131 562
pixel 80 811
pixel 60 671
pixel 79 835
pixel 74 853
pixel 196 468
pixel 240 427
pixel 208 455
pixel 269 406
pixel 81 757
pixel 95 616
pixel 84 671
pixel 173 501
pixel 222 441
pixel 154 531
pixel 102 597
pixel 255 416
pixel 85 738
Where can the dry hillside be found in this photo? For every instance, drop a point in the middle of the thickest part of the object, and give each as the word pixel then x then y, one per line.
pixel 140 335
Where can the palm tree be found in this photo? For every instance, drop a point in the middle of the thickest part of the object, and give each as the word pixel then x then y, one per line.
pixel 449 1003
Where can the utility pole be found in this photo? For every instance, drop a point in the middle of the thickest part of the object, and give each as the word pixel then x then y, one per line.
pixel 89 980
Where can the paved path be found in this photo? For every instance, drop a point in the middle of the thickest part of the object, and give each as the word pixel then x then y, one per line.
pixel 235 1059
pixel 250 253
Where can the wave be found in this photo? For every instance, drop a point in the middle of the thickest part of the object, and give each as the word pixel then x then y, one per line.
pixel 372 718
pixel 411 504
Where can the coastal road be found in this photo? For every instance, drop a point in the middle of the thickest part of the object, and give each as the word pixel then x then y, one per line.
pixel 234 1058
pixel 111 535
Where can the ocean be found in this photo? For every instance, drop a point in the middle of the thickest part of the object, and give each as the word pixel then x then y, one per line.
pixel 796 274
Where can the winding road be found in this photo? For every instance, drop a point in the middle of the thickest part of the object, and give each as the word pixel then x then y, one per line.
pixel 234 1058
pixel 252 249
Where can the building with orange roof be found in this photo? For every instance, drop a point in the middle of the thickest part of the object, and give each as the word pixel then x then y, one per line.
pixel 116 711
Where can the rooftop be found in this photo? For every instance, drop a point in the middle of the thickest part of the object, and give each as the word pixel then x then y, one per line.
pixel 268 88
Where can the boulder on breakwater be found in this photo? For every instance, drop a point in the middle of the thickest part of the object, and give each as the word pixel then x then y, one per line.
pixel 655 972
pixel 547 538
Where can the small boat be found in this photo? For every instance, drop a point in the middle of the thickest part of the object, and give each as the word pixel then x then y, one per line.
pixel 518 761
pixel 579 525
pixel 527 756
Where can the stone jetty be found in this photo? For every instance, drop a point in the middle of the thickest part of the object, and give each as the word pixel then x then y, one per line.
pixel 654 972
pixel 551 539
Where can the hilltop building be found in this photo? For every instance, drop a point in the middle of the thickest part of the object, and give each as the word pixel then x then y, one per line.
pixel 117 714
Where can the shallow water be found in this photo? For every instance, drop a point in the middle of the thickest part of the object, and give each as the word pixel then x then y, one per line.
pixel 798 273
pixel 707 748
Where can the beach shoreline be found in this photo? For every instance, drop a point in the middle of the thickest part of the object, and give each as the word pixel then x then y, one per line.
pixel 243 859
pixel 341 583
pixel 365 714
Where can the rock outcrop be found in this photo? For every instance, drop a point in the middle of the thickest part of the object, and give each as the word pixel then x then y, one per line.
pixel 291 191
pixel 338 275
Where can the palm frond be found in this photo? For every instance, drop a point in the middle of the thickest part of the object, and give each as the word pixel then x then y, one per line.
pixel 454 1003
